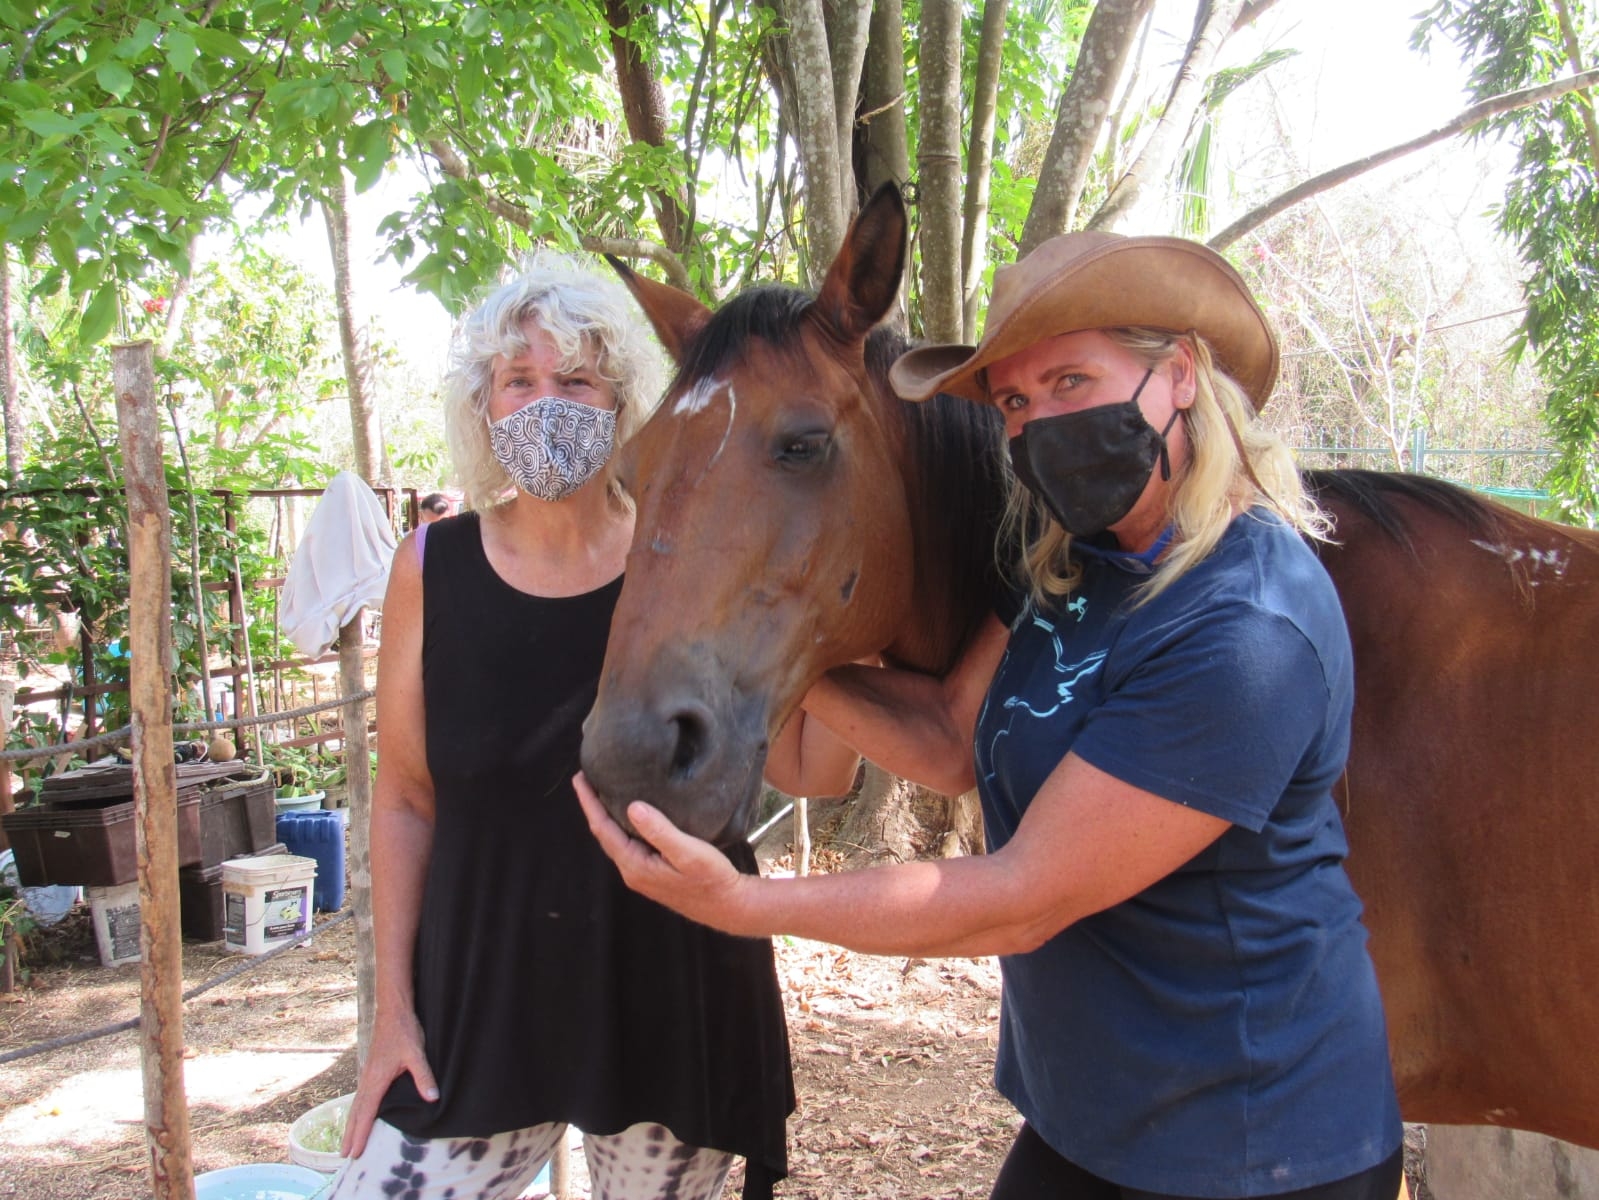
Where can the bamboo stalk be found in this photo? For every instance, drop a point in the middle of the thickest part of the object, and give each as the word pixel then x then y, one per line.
pixel 155 793
pixel 249 660
pixel 194 565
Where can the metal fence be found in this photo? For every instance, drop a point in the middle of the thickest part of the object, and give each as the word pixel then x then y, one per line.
pixel 1513 474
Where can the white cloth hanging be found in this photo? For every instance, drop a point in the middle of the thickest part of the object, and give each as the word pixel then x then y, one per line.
pixel 342 563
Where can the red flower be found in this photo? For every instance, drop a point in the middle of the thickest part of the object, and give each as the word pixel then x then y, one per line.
pixel 155 305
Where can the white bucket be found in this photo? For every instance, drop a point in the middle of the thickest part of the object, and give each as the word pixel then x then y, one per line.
pixel 314 1138
pixel 266 901
pixel 116 922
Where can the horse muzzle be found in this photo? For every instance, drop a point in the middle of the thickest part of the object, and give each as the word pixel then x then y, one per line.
pixel 692 749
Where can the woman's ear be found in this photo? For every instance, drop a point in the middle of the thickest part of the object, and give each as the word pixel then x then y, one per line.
pixel 1181 365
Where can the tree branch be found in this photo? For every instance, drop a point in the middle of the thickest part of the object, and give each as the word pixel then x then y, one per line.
pixel 458 168
pixel 1491 107
pixel 676 273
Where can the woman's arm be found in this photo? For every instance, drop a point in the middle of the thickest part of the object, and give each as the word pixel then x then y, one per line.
pixel 401 845
pixel 1087 841
pixel 916 726
pixel 808 759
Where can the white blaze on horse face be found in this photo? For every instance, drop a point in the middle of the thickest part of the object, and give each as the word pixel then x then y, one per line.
pixel 697 397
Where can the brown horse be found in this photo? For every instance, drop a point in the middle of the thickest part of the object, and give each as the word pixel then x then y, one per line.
pixel 792 516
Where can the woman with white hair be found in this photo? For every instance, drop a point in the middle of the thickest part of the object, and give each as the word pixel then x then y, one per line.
pixel 1155 720
pixel 520 985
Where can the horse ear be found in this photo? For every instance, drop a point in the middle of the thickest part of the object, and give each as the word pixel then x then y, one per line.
pixel 863 282
pixel 676 316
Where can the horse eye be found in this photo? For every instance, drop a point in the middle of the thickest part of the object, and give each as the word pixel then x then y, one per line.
pixel 800 449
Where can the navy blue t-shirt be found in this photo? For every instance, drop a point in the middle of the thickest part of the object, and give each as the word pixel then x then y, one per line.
pixel 1220 1033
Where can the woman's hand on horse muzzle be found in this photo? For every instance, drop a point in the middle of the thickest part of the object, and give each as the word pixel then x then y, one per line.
pixel 669 866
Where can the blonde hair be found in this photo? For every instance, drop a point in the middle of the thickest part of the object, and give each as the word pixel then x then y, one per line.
pixel 583 312
pixel 1207 489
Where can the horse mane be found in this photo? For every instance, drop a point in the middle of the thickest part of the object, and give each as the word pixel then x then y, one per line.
pixel 952 455
pixel 1373 494
pixel 955 481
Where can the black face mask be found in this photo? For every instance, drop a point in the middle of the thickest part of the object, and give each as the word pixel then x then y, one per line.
pixel 1090 467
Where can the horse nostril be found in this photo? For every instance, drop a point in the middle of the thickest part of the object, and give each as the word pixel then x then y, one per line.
pixel 692 731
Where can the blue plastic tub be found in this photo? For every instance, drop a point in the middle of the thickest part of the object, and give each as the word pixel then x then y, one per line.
pixel 318 835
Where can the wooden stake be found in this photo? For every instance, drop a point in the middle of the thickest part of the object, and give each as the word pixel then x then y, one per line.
pixel 358 774
pixel 155 791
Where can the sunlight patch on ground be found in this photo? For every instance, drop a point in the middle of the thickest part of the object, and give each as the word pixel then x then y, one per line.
pixel 96 1107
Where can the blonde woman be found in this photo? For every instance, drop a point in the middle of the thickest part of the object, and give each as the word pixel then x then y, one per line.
pixel 521 986
pixel 1155 720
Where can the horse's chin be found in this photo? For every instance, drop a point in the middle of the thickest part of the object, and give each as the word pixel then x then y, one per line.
pixel 719 810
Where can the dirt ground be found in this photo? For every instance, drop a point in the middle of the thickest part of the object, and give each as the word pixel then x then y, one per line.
pixel 892 1062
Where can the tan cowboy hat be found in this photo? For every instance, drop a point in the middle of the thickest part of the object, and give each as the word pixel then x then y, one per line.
pixel 1105 281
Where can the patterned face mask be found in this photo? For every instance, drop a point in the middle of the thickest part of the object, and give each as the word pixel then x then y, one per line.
pixel 551 447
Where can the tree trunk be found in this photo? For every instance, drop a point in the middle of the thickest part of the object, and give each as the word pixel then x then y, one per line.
pixel 979 162
pixel 366 424
pixel 1215 23
pixel 1568 39
pixel 815 124
pixel 938 170
pixel 1084 106
pixel 881 149
pixel 644 108
pixel 8 374
pixel 847 37
pixel 881 825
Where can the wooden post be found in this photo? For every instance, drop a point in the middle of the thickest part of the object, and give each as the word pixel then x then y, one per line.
pixel 802 835
pixel 155 790
pixel 358 771
pixel 561 1170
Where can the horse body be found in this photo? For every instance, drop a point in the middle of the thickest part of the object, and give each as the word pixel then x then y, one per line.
pixel 1469 798
pixel 793 516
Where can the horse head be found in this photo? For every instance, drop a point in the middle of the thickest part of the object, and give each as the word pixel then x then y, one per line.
pixel 777 531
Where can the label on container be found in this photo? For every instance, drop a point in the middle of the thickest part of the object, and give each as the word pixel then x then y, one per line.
pixel 284 911
pixel 122 924
pixel 233 917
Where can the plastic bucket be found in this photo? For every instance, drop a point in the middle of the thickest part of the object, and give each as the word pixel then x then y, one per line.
pixel 266 901
pixel 318 835
pixel 314 1138
pixel 259 1181
pixel 115 912
pixel 307 803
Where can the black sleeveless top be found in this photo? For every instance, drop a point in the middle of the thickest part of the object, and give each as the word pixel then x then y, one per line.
pixel 547 991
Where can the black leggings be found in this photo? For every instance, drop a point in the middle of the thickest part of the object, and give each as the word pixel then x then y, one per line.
pixel 1033 1171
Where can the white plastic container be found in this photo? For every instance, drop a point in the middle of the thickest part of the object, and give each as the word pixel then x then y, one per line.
pixel 314 1138
pixel 116 922
pixel 266 901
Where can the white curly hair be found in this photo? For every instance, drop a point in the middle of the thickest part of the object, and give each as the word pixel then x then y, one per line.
pixel 583 311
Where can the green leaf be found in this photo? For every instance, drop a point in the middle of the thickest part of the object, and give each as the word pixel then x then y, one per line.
pixel 115 78
pixel 100 315
pixel 49 124
pixel 182 51
pixel 394 64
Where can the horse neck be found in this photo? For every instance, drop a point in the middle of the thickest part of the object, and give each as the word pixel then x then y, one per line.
pixel 954 483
